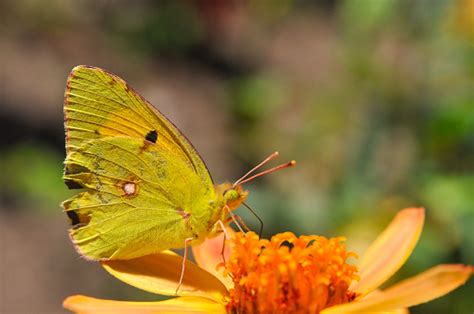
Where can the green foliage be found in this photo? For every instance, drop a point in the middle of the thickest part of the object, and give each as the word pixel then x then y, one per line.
pixel 31 177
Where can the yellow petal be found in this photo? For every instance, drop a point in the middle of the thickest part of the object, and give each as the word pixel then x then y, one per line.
pixel 159 273
pixel 390 250
pixel 209 254
pixel 395 311
pixel 86 305
pixel 422 288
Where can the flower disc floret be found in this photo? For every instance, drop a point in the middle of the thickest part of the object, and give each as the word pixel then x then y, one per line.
pixel 288 274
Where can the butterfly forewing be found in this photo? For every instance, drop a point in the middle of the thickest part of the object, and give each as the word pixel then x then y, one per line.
pixel 99 104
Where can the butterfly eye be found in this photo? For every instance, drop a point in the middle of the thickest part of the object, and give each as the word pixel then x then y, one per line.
pixel 231 194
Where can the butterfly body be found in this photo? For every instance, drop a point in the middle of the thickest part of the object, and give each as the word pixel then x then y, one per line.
pixel 143 187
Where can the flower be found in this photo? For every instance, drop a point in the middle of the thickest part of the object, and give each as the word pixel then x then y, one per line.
pixel 288 274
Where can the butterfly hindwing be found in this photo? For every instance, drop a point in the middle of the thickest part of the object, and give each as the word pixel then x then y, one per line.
pixel 136 201
pixel 143 187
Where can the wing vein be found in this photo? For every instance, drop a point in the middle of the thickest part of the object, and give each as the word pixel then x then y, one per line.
pixel 149 112
pixel 139 132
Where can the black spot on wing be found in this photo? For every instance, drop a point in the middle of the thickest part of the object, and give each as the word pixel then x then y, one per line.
pixel 152 136
pixel 73 185
pixel 72 169
pixel 74 217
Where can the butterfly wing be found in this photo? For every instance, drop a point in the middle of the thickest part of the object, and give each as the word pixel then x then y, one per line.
pixel 99 104
pixel 144 187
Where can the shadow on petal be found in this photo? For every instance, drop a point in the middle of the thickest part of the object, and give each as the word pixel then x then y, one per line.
pixel 208 255
pixel 159 273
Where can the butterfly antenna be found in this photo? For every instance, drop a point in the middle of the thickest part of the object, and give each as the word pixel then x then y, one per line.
pixel 283 166
pixel 259 219
pixel 269 158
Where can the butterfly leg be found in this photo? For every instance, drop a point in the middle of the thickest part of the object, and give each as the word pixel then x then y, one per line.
pixel 232 215
pixel 228 220
pixel 183 266
pixel 244 225
pixel 226 236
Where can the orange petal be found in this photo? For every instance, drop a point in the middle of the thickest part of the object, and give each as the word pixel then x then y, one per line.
pixel 422 288
pixel 86 305
pixel 390 250
pixel 209 254
pixel 159 273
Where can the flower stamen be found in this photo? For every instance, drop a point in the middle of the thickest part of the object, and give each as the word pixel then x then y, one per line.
pixel 288 274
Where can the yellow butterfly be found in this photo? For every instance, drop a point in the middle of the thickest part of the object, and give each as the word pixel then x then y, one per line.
pixel 144 188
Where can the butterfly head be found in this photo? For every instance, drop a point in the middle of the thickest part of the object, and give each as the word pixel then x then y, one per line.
pixel 233 195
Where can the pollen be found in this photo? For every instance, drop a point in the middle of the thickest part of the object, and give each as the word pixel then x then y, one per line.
pixel 288 274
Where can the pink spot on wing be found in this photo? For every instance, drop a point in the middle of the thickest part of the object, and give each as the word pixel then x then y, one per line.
pixel 129 188
pixel 184 214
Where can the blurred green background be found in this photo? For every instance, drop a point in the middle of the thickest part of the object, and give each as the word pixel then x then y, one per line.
pixel 373 98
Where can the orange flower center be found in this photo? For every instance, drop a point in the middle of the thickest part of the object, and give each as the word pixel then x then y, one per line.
pixel 288 274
